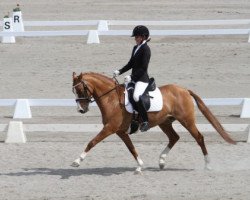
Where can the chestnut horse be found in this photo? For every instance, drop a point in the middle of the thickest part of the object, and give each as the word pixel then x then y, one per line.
pixel 109 96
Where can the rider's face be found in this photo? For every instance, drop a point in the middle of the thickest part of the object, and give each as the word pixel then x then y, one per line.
pixel 138 39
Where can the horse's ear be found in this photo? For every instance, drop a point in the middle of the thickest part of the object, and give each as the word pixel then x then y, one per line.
pixel 74 75
pixel 80 76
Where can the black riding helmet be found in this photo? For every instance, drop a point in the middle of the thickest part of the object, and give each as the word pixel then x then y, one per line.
pixel 140 31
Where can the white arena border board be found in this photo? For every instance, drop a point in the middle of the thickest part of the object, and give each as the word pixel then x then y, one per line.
pixel 103 28
pixel 95 128
pixel 23 110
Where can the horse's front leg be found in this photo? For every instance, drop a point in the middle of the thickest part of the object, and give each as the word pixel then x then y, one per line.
pixel 106 131
pixel 126 139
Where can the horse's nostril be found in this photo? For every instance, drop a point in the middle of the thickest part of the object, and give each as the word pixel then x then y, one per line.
pixel 81 111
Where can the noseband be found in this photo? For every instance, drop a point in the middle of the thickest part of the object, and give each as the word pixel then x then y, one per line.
pixel 90 98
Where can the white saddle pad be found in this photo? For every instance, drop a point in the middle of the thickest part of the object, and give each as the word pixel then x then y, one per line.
pixel 156 103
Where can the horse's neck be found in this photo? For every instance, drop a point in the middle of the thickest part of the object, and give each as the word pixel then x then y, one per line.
pixel 108 97
pixel 101 85
pixel 103 93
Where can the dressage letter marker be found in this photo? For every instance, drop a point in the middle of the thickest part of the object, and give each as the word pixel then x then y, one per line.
pixel 8 27
pixel 17 20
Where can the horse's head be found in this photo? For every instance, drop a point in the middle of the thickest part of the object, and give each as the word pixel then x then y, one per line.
pixel 83 93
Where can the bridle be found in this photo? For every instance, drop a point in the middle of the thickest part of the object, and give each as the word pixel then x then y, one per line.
pixel 85 92
pixel 86 89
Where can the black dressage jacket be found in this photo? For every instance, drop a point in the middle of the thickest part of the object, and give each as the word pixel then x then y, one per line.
pixel 139 64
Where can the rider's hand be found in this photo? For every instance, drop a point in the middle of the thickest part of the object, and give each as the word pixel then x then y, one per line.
pixel 127 79
pixel 116 73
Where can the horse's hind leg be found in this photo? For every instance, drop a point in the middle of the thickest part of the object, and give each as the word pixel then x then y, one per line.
pixel 191 127
pixel 126 139
pixel 167 128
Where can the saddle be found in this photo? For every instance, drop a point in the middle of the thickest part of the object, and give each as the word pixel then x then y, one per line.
pixel 151 98
pixel 145 96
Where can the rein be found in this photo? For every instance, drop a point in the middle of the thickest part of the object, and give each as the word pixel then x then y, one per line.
pixel 106 93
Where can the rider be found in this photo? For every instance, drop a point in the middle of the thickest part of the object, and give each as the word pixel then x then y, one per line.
pixel 139 64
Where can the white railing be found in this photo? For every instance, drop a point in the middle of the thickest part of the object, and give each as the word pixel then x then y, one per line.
pixel 94 128
pixel 22 106
pixel 59 23
pixel 181 22
pixel 134 23
pixel 16 130
pixel 103 28
pixel 128 32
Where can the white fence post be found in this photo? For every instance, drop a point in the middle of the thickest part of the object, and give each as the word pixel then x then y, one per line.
pixel 248 139
pixel 15 133
pixel 103 25
pixel 245 113
pixel 93 37
pixel 22 109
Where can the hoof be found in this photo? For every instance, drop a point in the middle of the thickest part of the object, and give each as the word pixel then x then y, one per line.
pixel 138 172
pixel 208 167
pixel 161 165
pixel 75 164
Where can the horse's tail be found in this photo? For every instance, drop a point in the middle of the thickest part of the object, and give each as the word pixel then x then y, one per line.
pixel 211 118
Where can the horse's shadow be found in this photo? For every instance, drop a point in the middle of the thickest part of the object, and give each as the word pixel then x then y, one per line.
pixel 71 172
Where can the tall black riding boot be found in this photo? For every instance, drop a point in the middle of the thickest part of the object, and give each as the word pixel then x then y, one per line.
pixel 142 111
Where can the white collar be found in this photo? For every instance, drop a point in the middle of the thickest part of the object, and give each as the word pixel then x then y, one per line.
pixel 139 46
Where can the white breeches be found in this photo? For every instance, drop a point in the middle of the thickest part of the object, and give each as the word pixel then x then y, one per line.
pixel 139 89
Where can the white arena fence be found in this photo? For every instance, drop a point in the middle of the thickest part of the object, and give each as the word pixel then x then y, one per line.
pixel 15 131
pixel 102 28
pixel 23 110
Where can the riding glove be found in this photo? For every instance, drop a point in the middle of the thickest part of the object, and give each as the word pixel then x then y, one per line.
pixel 116 73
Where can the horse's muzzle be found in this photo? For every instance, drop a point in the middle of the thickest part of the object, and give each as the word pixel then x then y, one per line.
pixel 82 111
